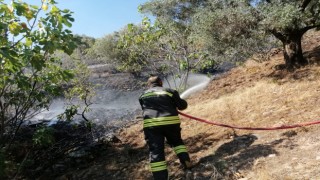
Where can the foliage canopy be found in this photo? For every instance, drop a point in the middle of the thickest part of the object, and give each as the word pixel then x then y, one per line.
pixel 236 29
pixel 30 74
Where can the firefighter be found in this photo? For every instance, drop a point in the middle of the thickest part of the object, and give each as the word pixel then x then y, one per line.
pixel 161 122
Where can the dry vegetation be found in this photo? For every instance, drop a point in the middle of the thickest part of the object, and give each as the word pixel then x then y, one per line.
pixel 254 94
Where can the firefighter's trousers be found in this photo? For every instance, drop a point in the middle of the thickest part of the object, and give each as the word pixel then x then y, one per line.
pixel 155 137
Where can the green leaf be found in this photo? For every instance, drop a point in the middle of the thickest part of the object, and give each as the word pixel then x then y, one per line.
pixel 37 62
pixel 19 8
pixel 15 28
pixel 67 74
pixel 28 42
pixel 67 23
pixel 54 9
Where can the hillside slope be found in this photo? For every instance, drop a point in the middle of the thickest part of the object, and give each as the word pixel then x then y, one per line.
pixel 257 95
pixel 254 94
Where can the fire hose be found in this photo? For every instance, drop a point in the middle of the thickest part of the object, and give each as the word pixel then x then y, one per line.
pixel 250 128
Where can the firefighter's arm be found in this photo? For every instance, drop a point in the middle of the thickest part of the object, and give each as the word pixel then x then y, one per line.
pixel 180 103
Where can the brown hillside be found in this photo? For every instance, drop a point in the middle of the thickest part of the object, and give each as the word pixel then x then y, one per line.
pixel 254 94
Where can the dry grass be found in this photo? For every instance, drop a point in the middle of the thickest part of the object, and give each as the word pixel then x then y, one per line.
pixel 265 104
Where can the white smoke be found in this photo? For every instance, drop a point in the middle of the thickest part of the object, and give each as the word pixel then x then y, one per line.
pixel 112 105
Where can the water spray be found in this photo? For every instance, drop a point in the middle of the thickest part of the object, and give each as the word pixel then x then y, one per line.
pixel 195 83
pixel 195 88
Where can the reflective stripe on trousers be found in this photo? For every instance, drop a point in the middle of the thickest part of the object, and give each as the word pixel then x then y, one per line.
pixel 180 149
pixel 158 166
pixel 159 170
pixel 159 121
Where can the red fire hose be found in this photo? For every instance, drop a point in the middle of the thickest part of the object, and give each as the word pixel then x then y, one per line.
pixel 251 128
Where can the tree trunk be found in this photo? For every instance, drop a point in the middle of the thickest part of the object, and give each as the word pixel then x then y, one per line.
pixel 292 51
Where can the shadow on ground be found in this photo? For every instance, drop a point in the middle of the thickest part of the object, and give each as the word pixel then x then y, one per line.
pixel 230 157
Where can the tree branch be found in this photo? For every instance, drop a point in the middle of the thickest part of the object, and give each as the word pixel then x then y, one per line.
pixel 304 4
pixel 305 29
pixel 277 34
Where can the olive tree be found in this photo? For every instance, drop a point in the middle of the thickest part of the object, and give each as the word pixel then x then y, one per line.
pixel 288 21
pixel 236 23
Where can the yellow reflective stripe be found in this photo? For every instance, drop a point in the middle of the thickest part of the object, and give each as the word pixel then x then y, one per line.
pixel 161 121
pixel 158 163
pixel 180 149
pixel 159 169
pixel 147 95
pixel 168 118
pixel 156 93
pixel 158 166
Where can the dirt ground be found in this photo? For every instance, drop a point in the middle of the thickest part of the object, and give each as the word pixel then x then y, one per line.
pixel 255 94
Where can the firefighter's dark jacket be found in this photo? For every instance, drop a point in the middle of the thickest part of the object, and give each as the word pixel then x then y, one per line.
pixel 160 106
